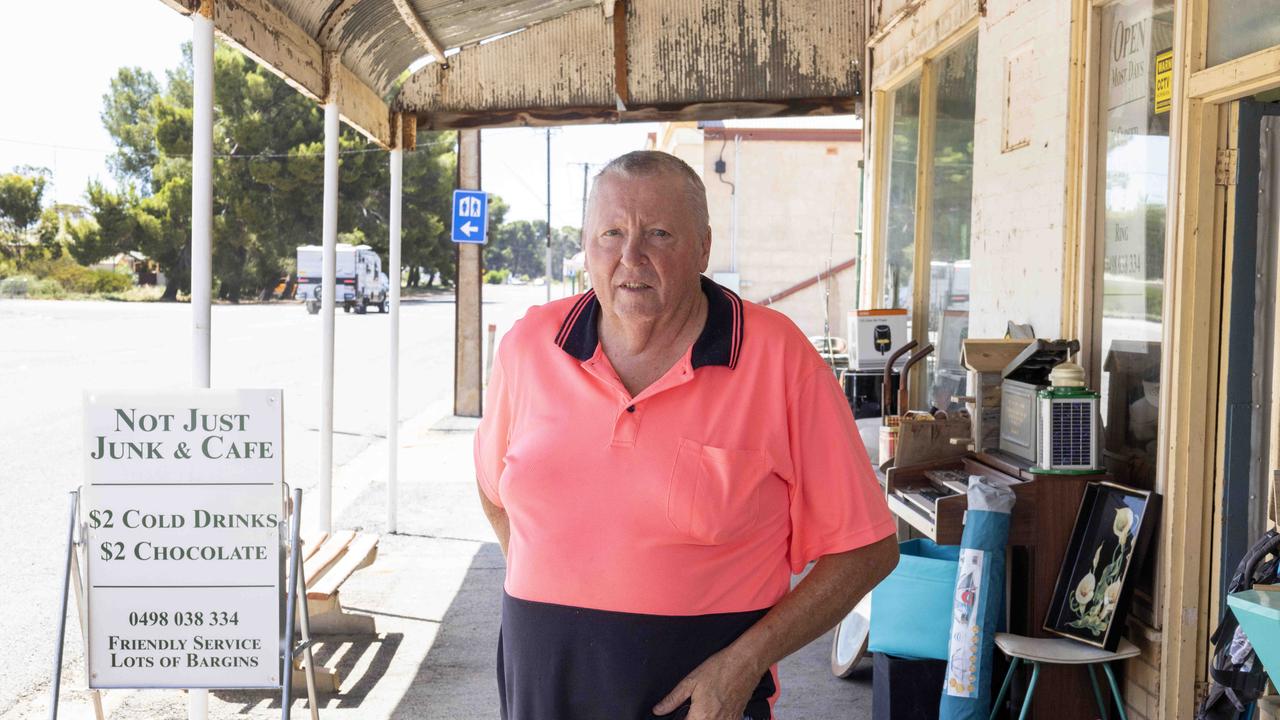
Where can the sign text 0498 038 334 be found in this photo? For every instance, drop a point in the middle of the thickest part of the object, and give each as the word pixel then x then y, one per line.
pixel 184 523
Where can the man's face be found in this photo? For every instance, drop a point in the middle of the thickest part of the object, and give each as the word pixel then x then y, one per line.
pixel 643 245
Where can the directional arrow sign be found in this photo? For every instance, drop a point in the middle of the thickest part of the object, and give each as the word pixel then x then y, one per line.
pixel 470 216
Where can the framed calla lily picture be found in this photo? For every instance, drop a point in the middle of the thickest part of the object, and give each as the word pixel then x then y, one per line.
pixel 1108 544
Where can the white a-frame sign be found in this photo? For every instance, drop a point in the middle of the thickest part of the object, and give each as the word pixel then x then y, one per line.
pixel 185 527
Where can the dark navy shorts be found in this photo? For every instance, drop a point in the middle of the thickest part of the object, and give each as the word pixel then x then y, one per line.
pixel 558 662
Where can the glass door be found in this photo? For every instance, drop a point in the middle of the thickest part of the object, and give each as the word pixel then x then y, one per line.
pixel 1250 170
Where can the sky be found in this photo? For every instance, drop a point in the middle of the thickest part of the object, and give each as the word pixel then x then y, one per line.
pixel 60 55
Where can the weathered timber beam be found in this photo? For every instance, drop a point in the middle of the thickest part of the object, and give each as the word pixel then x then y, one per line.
pixel 404 131
pixel 263 32
pixel 567 61
pixel 362 108
pixel 620 54
pixel 409 131
pixel 419 30
pixel 639 64
pixel 608 7
pixel 544 117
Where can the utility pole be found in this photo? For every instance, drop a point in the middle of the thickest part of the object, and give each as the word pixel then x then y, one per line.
pixel 548 275
pixel 582 225
pixel 586 170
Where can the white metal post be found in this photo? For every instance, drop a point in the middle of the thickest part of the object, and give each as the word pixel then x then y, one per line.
pixel 201 196
pixel 324 494
pixel 201 231
pixel 393 400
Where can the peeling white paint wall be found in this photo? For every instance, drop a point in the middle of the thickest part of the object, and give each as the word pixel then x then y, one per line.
pixel 1019 195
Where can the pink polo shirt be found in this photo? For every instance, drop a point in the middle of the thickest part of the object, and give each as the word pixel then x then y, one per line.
pixel 702 494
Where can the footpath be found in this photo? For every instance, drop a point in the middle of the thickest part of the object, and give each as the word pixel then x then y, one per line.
pixel 434 592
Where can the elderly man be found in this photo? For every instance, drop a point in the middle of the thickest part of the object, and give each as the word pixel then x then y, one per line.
pixel 657 458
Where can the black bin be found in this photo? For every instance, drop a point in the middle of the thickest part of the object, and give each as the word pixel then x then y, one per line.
pixel 904 689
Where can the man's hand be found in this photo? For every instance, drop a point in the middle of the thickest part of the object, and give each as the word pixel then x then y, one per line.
pixel 719 688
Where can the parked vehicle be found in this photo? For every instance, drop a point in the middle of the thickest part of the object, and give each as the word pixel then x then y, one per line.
pixel 359 280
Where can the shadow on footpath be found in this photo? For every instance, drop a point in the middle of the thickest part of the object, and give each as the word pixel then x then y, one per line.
pixel 458 677
pixel 350 651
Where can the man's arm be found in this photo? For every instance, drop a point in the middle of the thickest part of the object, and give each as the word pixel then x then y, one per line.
pixel 498 519
pixel 721 686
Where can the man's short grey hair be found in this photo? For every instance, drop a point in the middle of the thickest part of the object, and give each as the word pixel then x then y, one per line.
pixel 647 163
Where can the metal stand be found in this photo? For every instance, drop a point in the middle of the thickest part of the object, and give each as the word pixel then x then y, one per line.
pixel 71 582
pixel 62 615
pixel 297 586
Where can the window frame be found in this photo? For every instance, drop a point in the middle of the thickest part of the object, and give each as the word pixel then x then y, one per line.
pixel 924 68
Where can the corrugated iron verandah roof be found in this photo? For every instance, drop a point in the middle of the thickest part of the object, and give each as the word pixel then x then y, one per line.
pixel 553 62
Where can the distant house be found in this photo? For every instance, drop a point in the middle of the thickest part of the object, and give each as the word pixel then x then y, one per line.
pixel 783 197
pixel 143 269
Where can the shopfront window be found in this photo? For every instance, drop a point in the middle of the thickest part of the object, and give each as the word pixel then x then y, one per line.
pixel 1240 27
pixel 950 218
pixel 1133 177
pixel 900 220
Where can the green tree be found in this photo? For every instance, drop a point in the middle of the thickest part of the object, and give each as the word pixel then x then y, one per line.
pixel 127 115
pixel 520 247
pixel 268 178
pixel 21 193
pixel 60 225
pixel 114 227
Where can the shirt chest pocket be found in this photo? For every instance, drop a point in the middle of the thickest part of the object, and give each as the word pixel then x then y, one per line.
pixel 714 493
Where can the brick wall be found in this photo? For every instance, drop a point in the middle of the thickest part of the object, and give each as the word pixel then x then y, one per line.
pixel 1141 680
pixel 1019 192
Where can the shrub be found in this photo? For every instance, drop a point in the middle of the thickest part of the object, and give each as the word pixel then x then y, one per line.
pixel 16 286
pixel 496 277
pixel 109 281
pixel 72 277
pixel 75 278
pixel 46 288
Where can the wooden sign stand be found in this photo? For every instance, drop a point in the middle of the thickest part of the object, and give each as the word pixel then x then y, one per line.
pixel 73 580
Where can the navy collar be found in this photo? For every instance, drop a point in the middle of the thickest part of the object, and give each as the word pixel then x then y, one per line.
pixel 720 342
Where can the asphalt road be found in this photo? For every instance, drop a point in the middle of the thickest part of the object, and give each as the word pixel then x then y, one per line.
pixel 51 352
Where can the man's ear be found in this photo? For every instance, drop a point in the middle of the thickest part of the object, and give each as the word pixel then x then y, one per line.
pixel 706 249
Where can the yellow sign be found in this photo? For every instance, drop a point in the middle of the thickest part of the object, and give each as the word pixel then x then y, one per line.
pixel 1164 81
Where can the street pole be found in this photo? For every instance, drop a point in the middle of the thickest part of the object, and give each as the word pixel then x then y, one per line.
pixel 548 275
pixel 586 169
pixel 393 400
pixel 201 230
pixel 324 495
pixel 468 358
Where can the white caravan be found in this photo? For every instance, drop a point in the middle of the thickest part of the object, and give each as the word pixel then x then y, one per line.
pixel 359 279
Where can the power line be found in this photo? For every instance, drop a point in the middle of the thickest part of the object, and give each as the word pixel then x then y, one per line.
pixel 230 156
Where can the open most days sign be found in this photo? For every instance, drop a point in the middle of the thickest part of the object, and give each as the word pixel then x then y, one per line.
pixel 184 526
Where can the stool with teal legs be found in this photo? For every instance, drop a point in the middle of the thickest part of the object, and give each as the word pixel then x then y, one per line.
pixel 1053 651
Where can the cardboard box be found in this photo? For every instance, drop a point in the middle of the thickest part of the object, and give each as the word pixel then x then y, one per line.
pixel 874 335
pixel 985 360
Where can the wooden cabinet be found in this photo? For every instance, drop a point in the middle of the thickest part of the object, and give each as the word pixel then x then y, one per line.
pixel 1039 530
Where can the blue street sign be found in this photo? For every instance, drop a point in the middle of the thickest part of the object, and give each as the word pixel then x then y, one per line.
pixel 470 216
